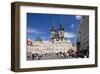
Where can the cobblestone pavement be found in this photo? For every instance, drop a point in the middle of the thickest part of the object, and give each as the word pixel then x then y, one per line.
pixel 51 56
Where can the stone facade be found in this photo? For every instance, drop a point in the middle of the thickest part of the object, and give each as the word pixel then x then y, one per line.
pixel 83 37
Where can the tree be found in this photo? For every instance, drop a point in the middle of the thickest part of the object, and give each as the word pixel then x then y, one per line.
pixel 38 39
pixel 70 50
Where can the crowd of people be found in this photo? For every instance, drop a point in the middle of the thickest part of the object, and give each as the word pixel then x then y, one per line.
pixel 63 55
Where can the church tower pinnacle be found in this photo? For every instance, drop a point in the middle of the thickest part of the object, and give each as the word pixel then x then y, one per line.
pixel 61 30
pixel 57 35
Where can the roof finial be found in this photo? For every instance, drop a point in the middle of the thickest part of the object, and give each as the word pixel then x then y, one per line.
pixel 53 22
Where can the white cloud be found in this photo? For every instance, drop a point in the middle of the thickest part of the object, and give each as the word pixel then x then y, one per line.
pixel 69 35
pixel 46 41
pixel 78 17
pixel 34 31
pixel 72 26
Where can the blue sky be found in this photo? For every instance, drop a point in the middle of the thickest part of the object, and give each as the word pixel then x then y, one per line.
pixel 39 25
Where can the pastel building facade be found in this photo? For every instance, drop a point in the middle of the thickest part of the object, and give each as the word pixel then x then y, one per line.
pixel 56 44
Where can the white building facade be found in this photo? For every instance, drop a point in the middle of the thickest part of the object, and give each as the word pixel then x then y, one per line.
pixel 49 47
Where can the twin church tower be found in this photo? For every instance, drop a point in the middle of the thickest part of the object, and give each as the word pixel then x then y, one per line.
pixel 57 34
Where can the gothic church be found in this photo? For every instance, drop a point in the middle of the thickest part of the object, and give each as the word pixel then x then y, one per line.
pixel 57 34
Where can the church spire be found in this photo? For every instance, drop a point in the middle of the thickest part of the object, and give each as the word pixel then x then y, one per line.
pixel 53 23
pixel 61 23
pixel 52 28
pixel 61 27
